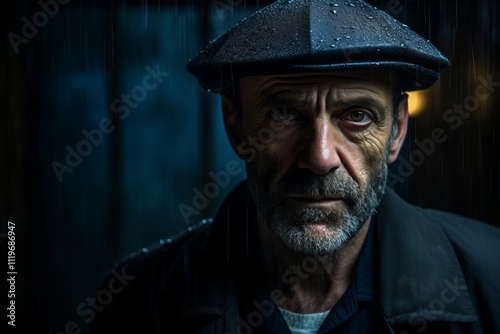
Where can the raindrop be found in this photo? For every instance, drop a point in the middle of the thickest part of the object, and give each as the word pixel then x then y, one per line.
pixel 337 38
pixel 145 250
pixel 169 240
pixel 348 37
pixel 333 11
pixel 352 5
pixel 335 5
pixel 333 46
pixel 378 50
pixel 369 17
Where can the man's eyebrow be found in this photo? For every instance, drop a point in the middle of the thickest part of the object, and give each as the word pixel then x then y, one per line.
pixel 295 100
pixel 282 98
pixel 362 101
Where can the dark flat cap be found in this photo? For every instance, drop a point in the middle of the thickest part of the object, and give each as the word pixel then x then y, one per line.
pixel 291 36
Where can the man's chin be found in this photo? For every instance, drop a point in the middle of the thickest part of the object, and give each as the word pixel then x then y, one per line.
pixel 316 244
pixel 313 237
pixel 320 230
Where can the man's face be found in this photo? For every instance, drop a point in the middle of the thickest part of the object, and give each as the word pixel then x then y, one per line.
pixel 321 170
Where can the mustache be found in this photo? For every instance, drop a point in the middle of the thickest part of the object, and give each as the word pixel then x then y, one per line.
pixel 303 182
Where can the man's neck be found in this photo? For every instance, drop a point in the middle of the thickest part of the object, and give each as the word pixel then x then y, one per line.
pixel 310 283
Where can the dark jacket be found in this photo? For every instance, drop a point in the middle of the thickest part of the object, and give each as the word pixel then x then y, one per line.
pixel 439 273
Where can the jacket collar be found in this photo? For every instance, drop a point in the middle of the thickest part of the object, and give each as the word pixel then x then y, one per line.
pixel 420 276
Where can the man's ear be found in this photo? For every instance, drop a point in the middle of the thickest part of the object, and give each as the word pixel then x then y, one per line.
pixel 229 114
pixel 401 128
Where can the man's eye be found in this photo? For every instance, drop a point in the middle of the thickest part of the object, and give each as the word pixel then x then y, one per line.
pixel 284 114
pixel 358 116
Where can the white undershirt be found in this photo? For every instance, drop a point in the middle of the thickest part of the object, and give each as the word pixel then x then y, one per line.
pixel 308 323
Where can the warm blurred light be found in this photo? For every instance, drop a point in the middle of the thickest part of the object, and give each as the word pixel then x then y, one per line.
pixel 416 102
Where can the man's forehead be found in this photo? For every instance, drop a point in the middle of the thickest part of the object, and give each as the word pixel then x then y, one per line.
pixel 381 81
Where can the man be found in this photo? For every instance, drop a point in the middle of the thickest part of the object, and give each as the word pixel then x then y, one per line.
pixel 314 242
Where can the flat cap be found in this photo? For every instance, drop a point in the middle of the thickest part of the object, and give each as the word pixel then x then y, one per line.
pixel 291 36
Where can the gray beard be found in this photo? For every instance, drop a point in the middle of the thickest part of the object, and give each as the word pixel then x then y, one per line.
pixel 289 222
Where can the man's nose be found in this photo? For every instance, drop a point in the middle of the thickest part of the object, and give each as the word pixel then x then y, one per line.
pixel 319 152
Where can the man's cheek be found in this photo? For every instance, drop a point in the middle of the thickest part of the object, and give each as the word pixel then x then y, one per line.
pixel 361 162
pixel 373 150
pixel 279 162
pixel 267 170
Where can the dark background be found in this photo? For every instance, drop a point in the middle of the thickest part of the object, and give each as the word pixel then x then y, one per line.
pixel 126 193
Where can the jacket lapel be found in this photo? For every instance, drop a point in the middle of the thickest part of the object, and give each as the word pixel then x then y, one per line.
pixel 420 277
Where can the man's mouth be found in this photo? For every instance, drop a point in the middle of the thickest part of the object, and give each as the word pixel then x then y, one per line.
pixel 312 201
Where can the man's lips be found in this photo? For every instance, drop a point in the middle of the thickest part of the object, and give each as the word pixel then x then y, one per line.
pixel 316 201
